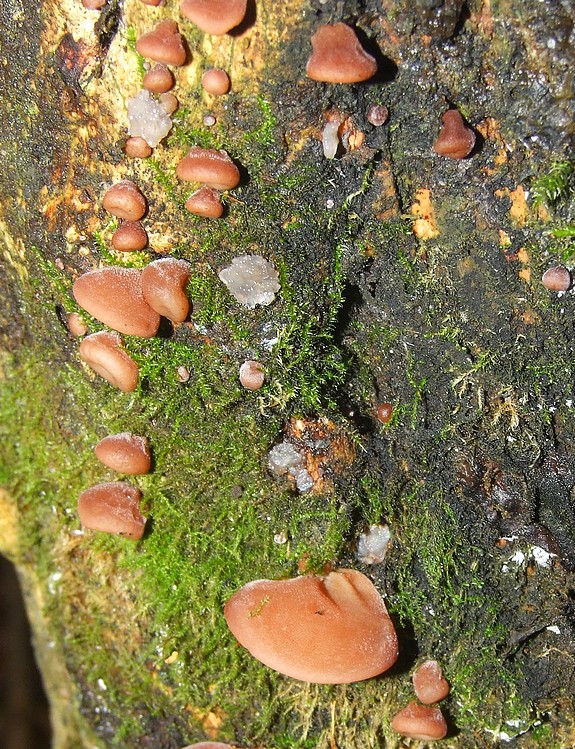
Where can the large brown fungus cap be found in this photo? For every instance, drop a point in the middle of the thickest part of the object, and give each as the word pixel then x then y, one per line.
pixel 113 507
pixel 327 630
pixel 338 57
pixel 104 353
pixel 114 296
pixel 163 283
pixel 214 168
pixel 214 16
pixel 125 452
pixel 163 44
pixel 455 139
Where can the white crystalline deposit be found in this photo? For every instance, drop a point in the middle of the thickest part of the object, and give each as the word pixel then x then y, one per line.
pixel 147 119
pixel 251 279
pixel 284 458
pixel 372 545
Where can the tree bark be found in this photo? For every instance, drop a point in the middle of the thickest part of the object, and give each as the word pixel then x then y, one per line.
pixel 407 278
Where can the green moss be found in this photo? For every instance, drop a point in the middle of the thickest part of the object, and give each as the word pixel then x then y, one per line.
pixel 554 187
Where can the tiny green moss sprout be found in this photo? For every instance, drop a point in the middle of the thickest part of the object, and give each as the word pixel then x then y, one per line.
pixel 555 187
pixel 131 44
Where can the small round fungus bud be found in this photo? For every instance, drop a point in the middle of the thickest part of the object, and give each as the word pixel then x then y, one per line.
pixel 114 296
pixel 205 202
pixel 338 57
pixel 125 200
pixel 159 79
pixel 163 285
pixel 214 16
pixel 130 236
pixel 93 4
pixel 455 139
pixel 252 375
pixel 209 120
pixel 168 102
pixel 104 353
pixel 429 684
pixel 216 82
pixel 163 44
pixel 377 115
pixel 384 412
pixel 325 630
pixel 214 168
pixel 137 148
pixel 113 507
pixel 125 452
pixel 557 278
pixel 76 325
pixel 420 722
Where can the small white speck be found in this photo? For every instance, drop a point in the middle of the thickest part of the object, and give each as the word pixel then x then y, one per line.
pixel 102 685
pixel 554 628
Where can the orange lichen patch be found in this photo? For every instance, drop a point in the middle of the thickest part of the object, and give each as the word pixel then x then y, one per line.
pixel 529 317
pixel 504 239
pixel 385 206
pixel 424 224
pixel 211 720
pixel 326 449
pixel 483 19
pixel 518 210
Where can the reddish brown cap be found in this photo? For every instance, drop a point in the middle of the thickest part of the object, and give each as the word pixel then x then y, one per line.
pixel 326 630
pixel 163 44
pixel 104 353
pixel 214 168
pixel 158 79
pixel 125 452
pixel 214 16
pixel 76 325
pixel 557 278
pixel 114 296
pixel 168 102
pixel 137 148
pixel 420 722
pixel 338 57
pixel 125 200
pixel 113 507
pixel 205 202
pixel 429 684
pixel 163 285
pixel 216 82
pixel 455 139
pixel 252 375
pixel 129 237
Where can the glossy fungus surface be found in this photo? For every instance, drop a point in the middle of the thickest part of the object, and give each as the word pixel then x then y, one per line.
pixel 214 168
pixel 163 284
pixel 338 57
pixel 557 278
pixel 429 683
pixel 252 375
pixel 455 139
pixel 420 722
pixel 163 44
pixel 216 82
pixel 205 202
pixel 328 630
pixel 158 79
pixel 125 452
pixel 129 237
pixel 104 353
pixel 125 200
pixel 114 296
pixel 214 16
pixel 113 507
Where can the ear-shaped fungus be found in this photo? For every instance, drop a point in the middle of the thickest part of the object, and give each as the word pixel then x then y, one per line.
pixel 420 722
pixel 455 139
pixel 163 44
pixel 163 285
pixel 429 683
pixel 113 507
pixel 104 353
pixel 338 57
pixel 214 168
pixel 125 452
pixel 114 296
pixel 326 630
pixel 214 16
pixel 125 200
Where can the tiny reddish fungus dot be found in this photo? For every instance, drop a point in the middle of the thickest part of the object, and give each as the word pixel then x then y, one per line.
pixel 130 236
pixel 557 278
pixel 104 353
pixel 163 44
pixel 420 722
pixel 76 325
pixel 216 82
pixel 384 412
pixel 163 284
pixel 214 168
pixel 252 375
pixel 125 452
pixel 429 683
pixel 214 16
pixel 137 148
pixel 114 296
pixel 113 507
pixel 125 200
pixel 338 57
pixel 455 139
pixel 158 79
pixel 333 629
pixel 205 202
pixel 377 115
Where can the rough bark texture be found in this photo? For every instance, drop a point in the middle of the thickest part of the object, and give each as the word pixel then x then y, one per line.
pixel 407 277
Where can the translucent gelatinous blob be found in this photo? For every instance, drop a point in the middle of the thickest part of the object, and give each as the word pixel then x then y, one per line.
pixel 251 279
pixel 148 119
